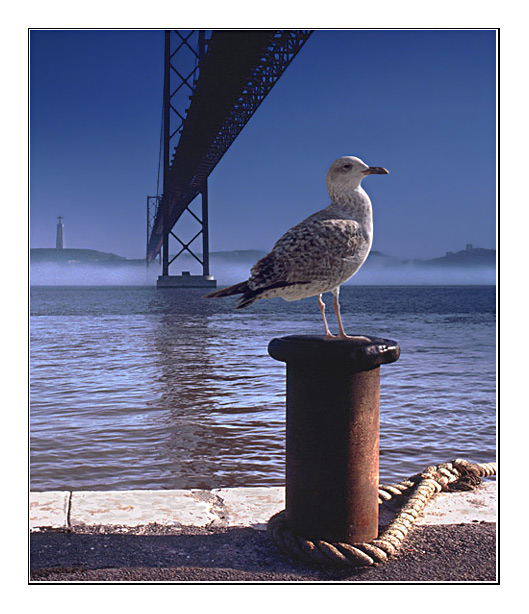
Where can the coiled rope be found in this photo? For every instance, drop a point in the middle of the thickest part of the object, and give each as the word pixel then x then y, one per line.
pixel 458 474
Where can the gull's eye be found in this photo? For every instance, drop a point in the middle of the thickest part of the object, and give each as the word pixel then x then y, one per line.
pixel 347 166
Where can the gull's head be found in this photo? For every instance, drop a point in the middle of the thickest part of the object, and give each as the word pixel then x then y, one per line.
pixel 346 174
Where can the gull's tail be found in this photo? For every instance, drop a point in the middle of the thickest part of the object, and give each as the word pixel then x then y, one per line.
pixel 247 298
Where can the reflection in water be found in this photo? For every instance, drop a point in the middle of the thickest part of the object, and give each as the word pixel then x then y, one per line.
pixel 219 424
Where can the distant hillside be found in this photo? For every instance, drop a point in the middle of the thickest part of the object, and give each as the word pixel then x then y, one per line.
pixel 469 257
pixel 77 256
pixel 238 255
pixel 380 258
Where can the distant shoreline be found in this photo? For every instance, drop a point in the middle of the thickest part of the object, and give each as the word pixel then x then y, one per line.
pixel 469 257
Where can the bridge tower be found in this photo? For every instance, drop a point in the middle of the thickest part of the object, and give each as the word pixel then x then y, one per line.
pixel 184 50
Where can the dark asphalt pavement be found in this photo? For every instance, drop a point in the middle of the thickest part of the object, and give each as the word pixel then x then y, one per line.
pixel 435 553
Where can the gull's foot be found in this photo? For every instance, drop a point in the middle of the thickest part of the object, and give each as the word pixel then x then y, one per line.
pixel 330 336
pixel 355 337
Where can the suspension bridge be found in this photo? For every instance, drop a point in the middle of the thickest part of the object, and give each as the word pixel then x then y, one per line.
pixel 214 81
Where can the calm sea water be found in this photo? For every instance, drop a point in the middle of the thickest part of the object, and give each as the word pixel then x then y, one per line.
pixel 133 387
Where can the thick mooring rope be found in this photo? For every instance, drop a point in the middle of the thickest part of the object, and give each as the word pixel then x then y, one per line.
pixel 458 474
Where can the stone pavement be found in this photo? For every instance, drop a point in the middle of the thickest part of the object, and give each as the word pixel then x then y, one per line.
pixel 224 507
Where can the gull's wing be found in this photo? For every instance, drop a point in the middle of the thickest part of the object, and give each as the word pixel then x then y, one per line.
pixel 307 252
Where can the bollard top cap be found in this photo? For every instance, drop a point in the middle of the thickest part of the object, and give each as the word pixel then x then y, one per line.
pixel 358 353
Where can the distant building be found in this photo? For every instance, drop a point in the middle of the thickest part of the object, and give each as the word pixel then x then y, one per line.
pixel 59 243
pixel 449 253
pixel 469 246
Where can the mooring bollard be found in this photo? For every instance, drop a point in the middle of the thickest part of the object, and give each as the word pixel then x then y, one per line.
pixel 332 434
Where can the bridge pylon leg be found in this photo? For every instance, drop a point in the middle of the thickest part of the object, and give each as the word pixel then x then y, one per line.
pixel 205 231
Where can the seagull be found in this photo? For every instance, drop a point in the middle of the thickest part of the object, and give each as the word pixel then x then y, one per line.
pixel 320 253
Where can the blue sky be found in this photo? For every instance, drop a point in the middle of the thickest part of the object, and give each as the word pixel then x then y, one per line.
pixel 419 102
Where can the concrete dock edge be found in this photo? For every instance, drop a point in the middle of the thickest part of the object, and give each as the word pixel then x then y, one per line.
pixel 222 508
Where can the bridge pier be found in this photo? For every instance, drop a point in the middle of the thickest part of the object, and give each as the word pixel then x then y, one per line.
pixel 186 280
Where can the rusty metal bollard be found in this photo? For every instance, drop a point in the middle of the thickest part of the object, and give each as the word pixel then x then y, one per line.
pixel 332 434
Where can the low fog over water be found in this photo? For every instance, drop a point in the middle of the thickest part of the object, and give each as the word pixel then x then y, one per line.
pixel 375 272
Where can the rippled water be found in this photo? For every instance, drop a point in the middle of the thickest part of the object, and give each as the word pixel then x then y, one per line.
pixel 143 388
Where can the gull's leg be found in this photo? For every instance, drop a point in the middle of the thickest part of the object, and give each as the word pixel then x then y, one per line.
pixel 321 305
pixel 336 307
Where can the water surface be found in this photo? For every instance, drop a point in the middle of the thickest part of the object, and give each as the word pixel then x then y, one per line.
pixel 134 387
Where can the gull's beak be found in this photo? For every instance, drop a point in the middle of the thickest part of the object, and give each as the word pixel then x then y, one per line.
pixel 375 170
